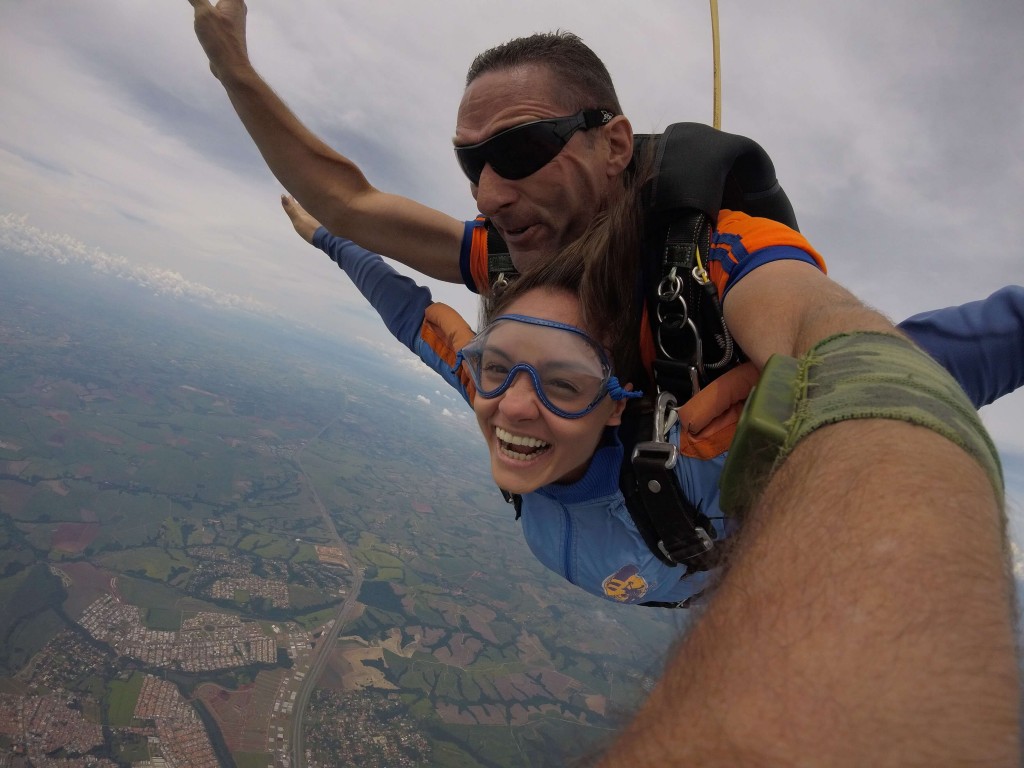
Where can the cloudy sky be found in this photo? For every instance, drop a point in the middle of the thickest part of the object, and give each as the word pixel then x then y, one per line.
pixel 896 128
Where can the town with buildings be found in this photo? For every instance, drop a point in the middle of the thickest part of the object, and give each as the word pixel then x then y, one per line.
pixel 206 641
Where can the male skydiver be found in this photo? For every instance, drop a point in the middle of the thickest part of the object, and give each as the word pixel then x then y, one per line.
pixel 852 617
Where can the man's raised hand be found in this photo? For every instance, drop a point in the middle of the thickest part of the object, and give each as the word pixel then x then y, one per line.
pixel 221 31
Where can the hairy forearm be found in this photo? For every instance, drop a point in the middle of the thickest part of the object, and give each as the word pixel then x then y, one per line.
pixel 836 311
pixel 786 307
pixel 866 619
pixel 334 190
pixel 325 182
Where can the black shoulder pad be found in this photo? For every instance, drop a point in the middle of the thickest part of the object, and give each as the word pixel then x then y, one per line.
pixel 703 168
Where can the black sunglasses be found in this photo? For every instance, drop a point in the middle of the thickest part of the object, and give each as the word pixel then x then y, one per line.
pixel 525 149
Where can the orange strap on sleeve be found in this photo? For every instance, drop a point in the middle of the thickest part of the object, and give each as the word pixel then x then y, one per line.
pixel 446 332
pixel 708 420
pixel 478 260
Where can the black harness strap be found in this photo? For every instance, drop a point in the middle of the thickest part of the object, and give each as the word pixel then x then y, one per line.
pixel 699 171
pixel 500 269
pixel 672 526
pixel 681 604
pixel 515 499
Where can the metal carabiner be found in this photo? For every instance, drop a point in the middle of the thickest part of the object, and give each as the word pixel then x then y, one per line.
pixel 670 287
pixel 665 416
pixel 696 358
pixel 500 284
pixel 664 306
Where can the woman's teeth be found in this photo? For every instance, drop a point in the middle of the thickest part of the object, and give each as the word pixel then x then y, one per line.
pixel 519 446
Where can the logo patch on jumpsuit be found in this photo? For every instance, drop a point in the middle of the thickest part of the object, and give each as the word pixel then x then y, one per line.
pixel 626 585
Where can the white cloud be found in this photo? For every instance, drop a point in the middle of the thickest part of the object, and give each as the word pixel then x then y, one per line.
pixel 19 237
pixel 422 399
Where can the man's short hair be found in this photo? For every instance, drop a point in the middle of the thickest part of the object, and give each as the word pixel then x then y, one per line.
pixel 582 75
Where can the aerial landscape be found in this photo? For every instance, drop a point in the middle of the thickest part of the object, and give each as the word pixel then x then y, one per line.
pixel 242 527
pixel 226 541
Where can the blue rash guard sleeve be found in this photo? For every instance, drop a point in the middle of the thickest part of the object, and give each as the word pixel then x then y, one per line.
pixel 427 329
pixel 981 343
pixel 399 300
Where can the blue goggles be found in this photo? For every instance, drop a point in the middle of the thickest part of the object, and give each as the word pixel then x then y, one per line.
pixel 569 370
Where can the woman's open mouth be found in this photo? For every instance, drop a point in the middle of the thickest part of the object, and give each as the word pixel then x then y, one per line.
pixel 519 447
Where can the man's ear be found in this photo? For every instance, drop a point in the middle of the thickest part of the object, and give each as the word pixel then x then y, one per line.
pixel 619 133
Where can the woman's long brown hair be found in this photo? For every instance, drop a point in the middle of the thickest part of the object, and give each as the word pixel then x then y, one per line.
pixel 602 267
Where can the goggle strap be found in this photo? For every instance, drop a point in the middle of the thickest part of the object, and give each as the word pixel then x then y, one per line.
pixel 616 391
pixel 459 358
pixel 553 324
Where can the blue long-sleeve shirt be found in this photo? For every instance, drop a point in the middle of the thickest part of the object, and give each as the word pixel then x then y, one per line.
pixel 981 343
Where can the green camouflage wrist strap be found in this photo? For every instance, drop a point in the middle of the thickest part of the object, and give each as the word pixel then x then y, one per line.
pixel 862 375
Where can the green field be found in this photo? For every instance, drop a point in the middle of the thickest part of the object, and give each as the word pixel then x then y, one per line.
pixel 29 604
pixel 130 747
pixel 153 563
pixel 166 619
pixel 312 620
pixel 266 546
pixel 123 695
pixel 153 596
pixel 304 553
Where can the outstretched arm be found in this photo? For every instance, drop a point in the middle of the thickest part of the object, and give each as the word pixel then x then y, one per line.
pixel 866 614
pixel 866 619
pixel 399 300
pixel 431 330
pixel 328 184
pixel 981 343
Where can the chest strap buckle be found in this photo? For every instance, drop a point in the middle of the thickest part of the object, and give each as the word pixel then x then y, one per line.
pixel 653 463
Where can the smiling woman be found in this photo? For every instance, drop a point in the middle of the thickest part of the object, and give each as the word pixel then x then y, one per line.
pixel 549 378
pixel 545 390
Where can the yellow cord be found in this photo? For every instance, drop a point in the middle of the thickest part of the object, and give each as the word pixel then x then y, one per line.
pixel 699 274
pixel 716 119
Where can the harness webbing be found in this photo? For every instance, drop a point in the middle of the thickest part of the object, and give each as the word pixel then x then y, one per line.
pixel 500 269
pixel 672 526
